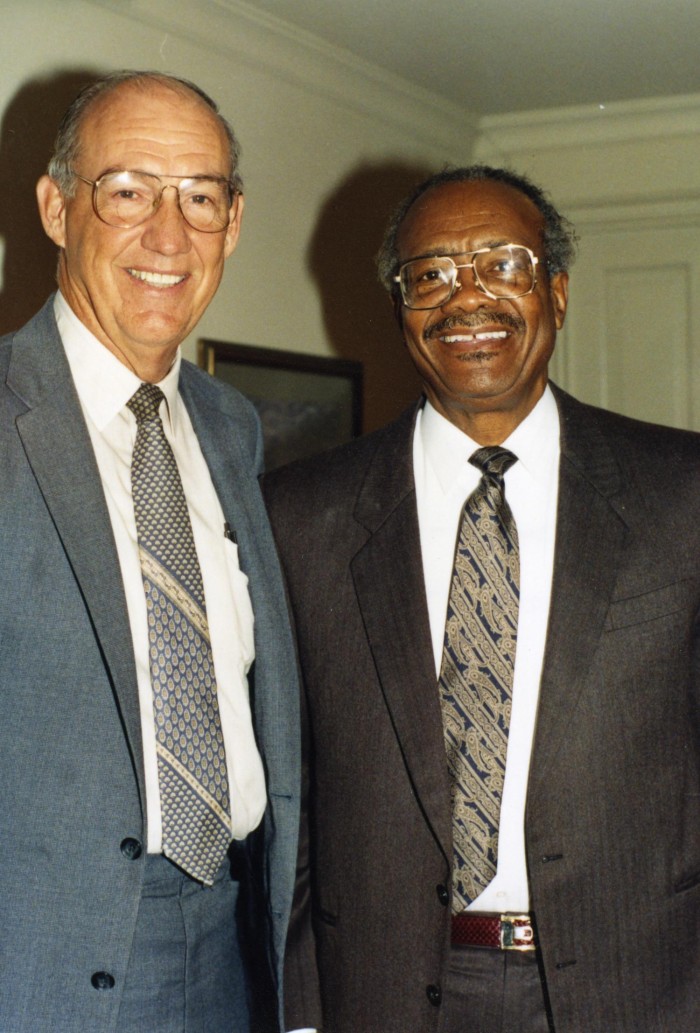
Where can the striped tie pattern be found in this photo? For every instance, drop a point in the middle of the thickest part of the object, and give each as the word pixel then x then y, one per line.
pixel 476 675
pixel 192 774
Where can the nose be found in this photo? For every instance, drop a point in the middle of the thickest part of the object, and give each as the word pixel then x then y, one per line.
pixel 166 231
pixel 466 293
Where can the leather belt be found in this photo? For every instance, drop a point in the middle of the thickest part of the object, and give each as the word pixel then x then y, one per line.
pixel 496 932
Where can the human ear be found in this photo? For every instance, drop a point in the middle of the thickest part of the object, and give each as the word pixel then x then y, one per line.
pixel 52 209
pixel 559 293
pixel 234 227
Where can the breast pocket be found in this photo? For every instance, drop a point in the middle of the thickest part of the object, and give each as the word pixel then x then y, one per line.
pixel 652 605
pixel 242 605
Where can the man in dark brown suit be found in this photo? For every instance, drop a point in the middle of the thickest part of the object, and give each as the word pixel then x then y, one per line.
pixel 590 921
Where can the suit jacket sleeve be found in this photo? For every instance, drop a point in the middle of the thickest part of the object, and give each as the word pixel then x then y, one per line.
pixel 302 995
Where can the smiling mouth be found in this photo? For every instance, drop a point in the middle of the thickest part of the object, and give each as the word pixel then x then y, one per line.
pixel 156 279
pixel 487 335
pixel 461 329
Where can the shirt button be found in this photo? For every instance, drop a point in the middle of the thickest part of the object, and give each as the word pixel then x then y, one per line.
pixel 434 994
pixel 102 981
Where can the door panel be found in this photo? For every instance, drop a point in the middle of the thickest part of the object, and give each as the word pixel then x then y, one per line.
pixel 631 341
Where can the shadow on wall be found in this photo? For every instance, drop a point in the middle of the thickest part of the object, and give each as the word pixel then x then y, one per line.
pixel 27 135
pixel 357 311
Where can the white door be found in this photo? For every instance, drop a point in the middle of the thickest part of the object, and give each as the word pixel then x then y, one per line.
pixel 631 341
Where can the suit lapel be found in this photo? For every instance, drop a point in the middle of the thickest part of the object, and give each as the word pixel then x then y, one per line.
pixel 224 427
pixel 59 451
pixel 387 572
pixel 591 531
pixel 388 578
pixel 218 434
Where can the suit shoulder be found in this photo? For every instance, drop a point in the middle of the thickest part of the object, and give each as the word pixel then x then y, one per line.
pixel 636 439
pixel 41 327
pixel 653 470
pixel 337 472
pixel 5 354
pixel 208 390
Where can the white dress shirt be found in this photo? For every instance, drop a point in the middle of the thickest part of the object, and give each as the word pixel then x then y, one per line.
pixel 444 480
pixel 104 385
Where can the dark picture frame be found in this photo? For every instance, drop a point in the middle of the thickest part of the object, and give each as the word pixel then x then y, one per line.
pixel 306 403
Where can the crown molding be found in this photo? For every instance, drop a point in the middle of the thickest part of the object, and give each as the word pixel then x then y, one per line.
pixel 235 29
pixel 665 213
pixel 589 124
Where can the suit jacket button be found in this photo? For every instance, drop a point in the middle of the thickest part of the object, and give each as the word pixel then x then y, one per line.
pixel 102 981
pixel 131 848
pixel 434 994
pixel 442 894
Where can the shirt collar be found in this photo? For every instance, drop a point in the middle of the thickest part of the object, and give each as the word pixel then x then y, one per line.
pixel 535 441
pixel 104 384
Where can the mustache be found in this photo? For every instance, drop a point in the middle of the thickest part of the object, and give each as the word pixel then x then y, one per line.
pixel 476 322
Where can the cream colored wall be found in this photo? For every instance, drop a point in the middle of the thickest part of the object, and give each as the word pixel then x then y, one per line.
pixel 329 144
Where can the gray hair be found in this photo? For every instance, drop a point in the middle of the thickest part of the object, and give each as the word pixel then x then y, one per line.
pixel 559 238
pixel 68 139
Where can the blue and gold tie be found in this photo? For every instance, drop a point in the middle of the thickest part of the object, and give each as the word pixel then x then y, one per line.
pixel 192 775
pixel 476 675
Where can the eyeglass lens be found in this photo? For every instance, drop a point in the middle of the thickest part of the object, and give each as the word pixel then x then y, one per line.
pixel 505 272
pixel 126 199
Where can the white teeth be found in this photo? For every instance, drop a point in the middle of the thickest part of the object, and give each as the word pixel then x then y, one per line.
pixel 486 336
pixel 156 279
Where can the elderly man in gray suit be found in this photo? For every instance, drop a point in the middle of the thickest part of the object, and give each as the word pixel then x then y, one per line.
pixel 497 601
pixel 149 735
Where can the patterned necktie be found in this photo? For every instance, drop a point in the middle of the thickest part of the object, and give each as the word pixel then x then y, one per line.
pixel 476 676
pixel 192 776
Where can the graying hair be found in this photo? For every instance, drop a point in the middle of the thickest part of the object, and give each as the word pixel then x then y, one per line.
pixel 68 139
pixel 559 238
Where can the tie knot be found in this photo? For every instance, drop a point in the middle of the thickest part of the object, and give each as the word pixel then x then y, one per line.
pixel 145 403
pixel 493 460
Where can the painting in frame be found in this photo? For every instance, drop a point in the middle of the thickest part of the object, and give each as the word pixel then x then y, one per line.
pixel 306 403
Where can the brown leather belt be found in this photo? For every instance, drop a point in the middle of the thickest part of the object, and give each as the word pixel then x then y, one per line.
pixel 496 932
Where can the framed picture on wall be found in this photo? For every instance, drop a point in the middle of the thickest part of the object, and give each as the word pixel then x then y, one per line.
pixel 306 403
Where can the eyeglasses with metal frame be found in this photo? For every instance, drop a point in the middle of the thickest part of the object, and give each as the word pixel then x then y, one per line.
pixel 505 271
pixel 125 198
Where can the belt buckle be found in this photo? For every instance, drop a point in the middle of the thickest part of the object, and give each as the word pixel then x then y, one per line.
pixel 516 937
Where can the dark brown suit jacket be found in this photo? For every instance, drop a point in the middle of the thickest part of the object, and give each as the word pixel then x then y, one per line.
pixel 613 812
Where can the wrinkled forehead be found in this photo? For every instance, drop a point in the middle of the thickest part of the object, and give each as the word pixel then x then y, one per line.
pixel 468 215
pixel 136 115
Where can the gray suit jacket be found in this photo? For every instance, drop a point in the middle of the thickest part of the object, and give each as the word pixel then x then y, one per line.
pixel 613 807
pixel 71 766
